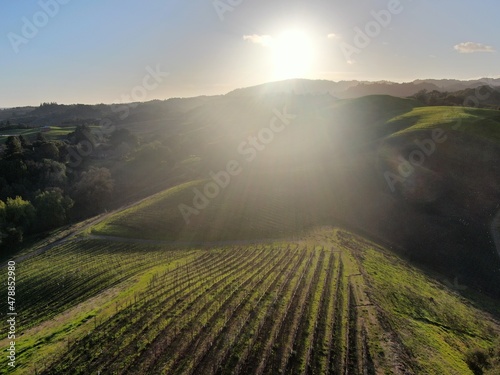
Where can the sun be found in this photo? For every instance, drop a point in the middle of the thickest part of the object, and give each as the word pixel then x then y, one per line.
pixel 293 54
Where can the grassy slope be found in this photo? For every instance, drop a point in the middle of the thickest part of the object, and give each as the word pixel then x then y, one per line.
pixel 157 217
pixel 483 123
pixel 252 206
pixel 435 324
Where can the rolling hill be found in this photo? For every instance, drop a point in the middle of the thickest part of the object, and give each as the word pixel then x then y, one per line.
pixel 343 161
pixel 308 234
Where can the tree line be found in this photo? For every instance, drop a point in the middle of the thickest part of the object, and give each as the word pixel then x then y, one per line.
pixel 40 192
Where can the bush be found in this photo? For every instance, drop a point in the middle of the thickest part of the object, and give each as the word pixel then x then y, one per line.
pixel 478 361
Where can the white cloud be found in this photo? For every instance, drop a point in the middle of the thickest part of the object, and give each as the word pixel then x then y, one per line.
pixel 471 47
pixel 264 40
pixel 333 36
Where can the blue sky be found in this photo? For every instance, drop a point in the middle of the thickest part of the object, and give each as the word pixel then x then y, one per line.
pixel 99 51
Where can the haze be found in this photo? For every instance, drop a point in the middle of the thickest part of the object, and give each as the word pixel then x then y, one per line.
pixel 98 52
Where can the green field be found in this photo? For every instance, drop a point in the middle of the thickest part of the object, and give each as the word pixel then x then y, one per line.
pixel 55 132
pixel 484 123
pixel 326 303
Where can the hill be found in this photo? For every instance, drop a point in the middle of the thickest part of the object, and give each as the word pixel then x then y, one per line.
pixel 158 114
pixel 356 89
pixel 241 263
pixel 375 163
pixel 328 301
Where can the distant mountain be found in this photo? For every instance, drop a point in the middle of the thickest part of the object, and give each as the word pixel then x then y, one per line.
pixel 53 114
pixel 386 88
pixel 356 89
pixel 157 112
pixel 456 85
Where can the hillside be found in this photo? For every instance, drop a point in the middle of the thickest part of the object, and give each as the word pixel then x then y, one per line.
pixel 241 262
pixel 328 301
pixel 342 161
pixel 336 161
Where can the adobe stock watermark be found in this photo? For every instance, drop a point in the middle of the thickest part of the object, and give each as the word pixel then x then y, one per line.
pixel 363 36
pixel 139 93
pixel 249 149
pixel 31 26
pixel 223 6
pixel 150 82
pixel 416 158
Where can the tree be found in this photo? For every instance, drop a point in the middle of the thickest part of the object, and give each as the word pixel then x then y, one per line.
pixel 13 146
pixel 40 137
pixel 52 209
pixel 421 96
pixel 47 173
pixel 47 150
pixel 82 133
pixel 19 213
pixel 154 152
pixel 25 144
pixel 13 171
pixel 92 190
pixel 123 135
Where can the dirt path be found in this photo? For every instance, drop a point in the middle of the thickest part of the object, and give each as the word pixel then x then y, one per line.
pixel 66 236
pixel 184 243
pixel 74 232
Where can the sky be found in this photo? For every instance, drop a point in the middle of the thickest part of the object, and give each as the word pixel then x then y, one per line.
pixel 110 51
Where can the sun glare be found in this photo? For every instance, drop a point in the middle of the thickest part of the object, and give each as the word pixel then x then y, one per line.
pixel 292 55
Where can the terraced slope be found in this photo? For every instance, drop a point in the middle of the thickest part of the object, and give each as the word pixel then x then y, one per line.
pixel 327 303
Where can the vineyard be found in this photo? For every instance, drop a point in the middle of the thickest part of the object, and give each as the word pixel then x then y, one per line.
pixel 272 209
pixel 78 270
pixel 299 307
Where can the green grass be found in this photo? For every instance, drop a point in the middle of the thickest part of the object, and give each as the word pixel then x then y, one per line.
pixel 55 132
pixel 436 325
pixel 483 123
